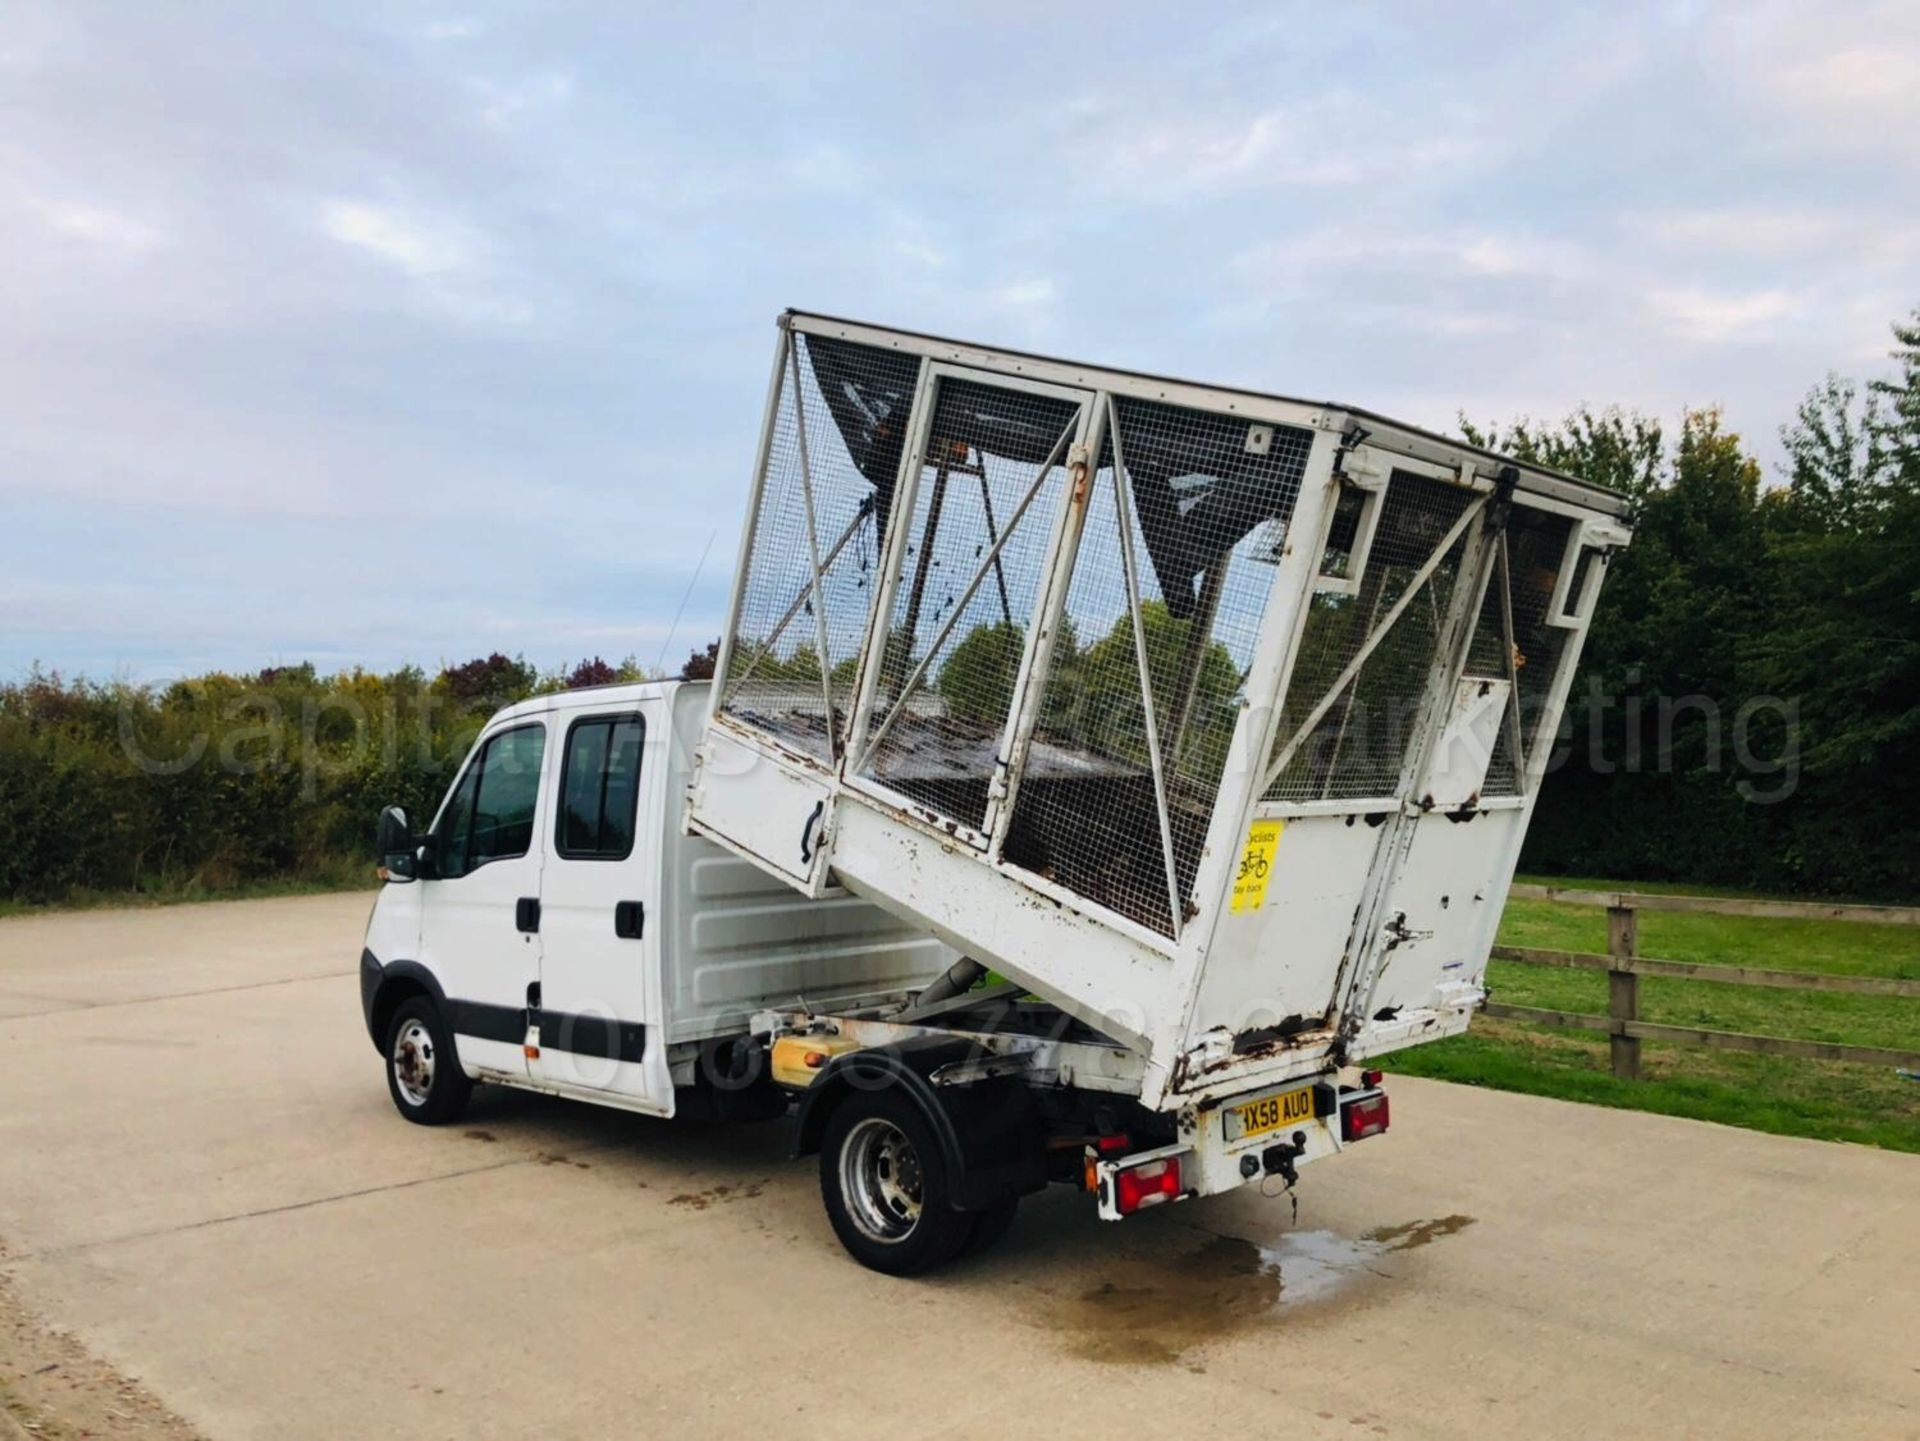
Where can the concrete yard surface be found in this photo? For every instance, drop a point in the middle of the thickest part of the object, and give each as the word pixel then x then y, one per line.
pixel 203 1180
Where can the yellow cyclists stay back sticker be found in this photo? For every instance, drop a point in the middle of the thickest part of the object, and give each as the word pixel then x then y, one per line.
pixel 1256 864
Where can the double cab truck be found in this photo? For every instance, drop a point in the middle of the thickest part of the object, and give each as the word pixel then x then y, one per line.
pixel 1099 773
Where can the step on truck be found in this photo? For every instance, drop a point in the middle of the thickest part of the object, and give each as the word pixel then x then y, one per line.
pixel 1100 773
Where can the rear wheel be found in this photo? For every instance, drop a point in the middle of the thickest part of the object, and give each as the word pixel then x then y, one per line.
pixel 885 1184
pixel 423 1070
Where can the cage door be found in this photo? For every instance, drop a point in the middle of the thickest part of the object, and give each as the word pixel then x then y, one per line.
pixel 992 467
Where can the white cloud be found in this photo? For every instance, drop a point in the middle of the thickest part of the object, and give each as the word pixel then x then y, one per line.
pixel 1741 230
pixel 1862 78
pixel 1031 294
pixel 417 247
pixel 506 103
pixel 1700 315
pixel 1335 139
pixel 96 225
pixel 452 267
pixel 1303 261
pixel 828 169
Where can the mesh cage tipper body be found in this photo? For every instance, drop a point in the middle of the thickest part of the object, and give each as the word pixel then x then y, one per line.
pixel 1139 690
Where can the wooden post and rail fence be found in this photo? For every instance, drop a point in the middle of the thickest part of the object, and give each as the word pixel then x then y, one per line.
pixel 1624 966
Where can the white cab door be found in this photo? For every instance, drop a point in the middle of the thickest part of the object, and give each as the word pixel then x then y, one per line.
pixel 600 905
pixel 480 907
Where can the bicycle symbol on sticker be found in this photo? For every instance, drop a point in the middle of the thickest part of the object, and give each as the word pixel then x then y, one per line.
pixel 1256 864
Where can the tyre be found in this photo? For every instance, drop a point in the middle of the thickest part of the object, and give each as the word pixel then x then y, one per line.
pixel 990 1225
pixel 885 1184
pixel 423 1069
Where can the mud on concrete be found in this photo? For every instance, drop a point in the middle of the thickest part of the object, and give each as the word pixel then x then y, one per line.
pixel 52 1389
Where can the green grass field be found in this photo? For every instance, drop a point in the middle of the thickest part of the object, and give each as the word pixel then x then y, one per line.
pixel 1828 1100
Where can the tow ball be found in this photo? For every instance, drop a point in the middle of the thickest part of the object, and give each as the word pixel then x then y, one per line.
pixel 1277 1160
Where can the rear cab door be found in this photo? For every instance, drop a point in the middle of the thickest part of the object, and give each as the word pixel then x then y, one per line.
pixel 599 1020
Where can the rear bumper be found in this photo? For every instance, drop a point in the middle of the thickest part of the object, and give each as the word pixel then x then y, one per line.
pixel 1213 1161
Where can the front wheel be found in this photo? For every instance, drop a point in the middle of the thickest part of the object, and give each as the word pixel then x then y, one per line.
pixel 885 1184
pixel 423 1071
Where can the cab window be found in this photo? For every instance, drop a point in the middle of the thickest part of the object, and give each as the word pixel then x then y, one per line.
pixel 600 788
pixel 489 816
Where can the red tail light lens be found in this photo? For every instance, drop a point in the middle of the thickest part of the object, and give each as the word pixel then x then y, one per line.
pixel 1364 1117
pixel 1147 1184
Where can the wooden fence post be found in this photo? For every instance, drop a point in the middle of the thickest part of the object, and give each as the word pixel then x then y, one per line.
pixel 1623 990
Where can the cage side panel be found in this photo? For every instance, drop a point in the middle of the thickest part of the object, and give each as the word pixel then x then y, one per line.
pixel 993 473
pixel 838 428
pixel 1358 748
pixel 1191 509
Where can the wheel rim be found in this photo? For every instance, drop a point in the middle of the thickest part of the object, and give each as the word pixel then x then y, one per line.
pixel 880 1177
pixel 413 1063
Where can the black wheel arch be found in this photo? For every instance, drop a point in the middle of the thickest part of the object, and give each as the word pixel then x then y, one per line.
pixel 385 986
pixel 989 1131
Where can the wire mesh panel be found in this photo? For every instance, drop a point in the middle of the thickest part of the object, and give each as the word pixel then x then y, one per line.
pixel 993 473
pixel 1184 526
pixel 1357 748
pixel 1514 639
pixel 839 429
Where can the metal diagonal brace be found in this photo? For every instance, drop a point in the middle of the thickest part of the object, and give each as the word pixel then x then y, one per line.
pixel 800 598
pixel 966 596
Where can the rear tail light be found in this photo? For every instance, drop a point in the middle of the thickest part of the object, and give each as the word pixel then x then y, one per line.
pixel 1364 1116
pixel 1147 1184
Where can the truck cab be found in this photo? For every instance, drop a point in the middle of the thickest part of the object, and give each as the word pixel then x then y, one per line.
pixel 573 938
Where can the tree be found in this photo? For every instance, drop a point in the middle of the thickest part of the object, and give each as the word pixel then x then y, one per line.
pixel 700 664
pixel 976 679
pixel 492 681
pixel 1838 463
pixel 591 672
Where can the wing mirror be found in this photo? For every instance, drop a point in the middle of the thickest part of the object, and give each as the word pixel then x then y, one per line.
pixel 399 849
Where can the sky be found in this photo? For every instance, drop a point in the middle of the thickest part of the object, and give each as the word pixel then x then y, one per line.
pixel 369 334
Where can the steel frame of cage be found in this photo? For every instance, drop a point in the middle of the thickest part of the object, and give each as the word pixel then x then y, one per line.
pixel 1093 393
pixel 1251 756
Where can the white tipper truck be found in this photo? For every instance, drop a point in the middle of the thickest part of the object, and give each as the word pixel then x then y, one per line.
pixel 1100 771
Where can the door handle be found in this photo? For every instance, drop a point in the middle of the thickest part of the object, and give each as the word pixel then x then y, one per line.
pixel 630 919
pixel 526 914
pixel 806 833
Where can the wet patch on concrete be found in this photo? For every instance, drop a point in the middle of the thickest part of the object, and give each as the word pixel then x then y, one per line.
pixel 1153 1309
pixel 481 1136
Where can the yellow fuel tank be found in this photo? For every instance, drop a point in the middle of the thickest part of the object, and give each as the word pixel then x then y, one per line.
pixel 798 1060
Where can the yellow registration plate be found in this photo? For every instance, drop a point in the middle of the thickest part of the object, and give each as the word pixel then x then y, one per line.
pixel 1269 1113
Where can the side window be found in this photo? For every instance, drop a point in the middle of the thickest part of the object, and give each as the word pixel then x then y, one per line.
pixel 455 828
pixel 600 788
pixel 490 816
